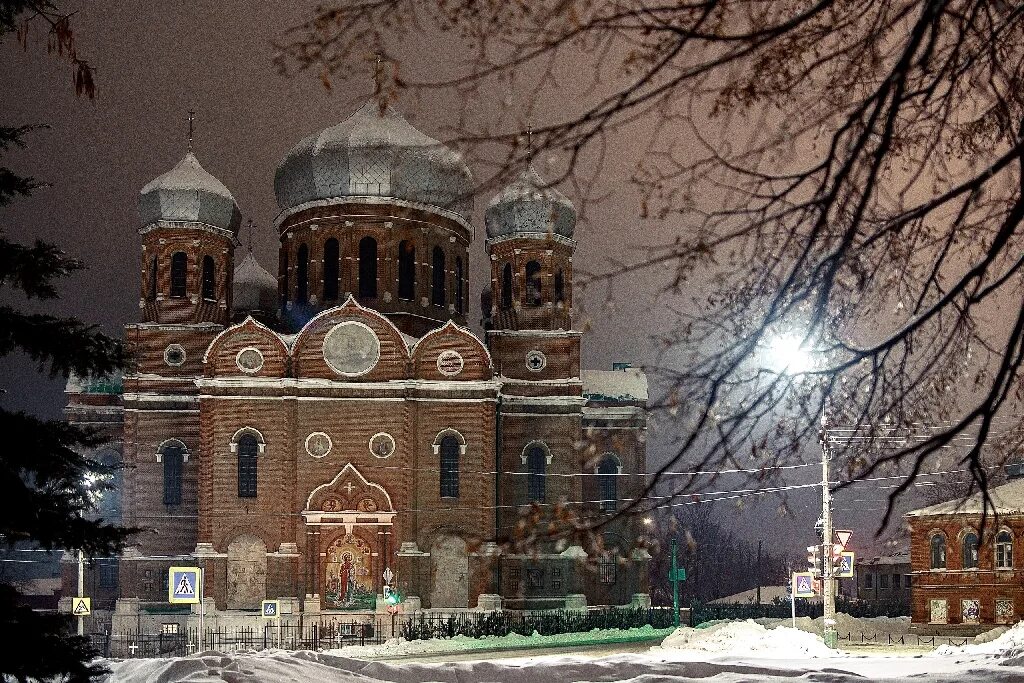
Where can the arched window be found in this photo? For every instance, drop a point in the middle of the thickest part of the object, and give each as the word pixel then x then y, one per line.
pixel 1004 550
pixel 533 284
pixel 458 285
pixel 179 273
pixel 302 275
pixel 367 268
pixel 406 270
pixel 559 287
pixel 506 286
pixel 331 264
pixel 209 277
pixel 938 551
pixel 437 294
pixel 248 449
pixel 970 549
pixel 173 456
pixel 607 482
pixel 151 290
pixel 285 280
pixel 536 463
pixel 449 467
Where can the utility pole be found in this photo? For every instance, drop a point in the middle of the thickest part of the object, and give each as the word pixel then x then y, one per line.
pixel 757 571
pixel 81 589
pixel 828 586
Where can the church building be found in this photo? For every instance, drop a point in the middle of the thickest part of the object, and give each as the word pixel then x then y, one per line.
pixel 303 436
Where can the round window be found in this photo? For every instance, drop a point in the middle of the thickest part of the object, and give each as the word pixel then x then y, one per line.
pixel 351 348
pixel 249 360
pixel 382 445
pixel 174 355
pixel 535 361
pixel 318 444
pixel 450 363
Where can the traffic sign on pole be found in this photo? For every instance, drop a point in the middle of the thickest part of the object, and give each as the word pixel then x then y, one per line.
pixel 81 607
pixel 843 537
pixel 271 609
pixel 844 570
pixel 803 585
pixel 183 585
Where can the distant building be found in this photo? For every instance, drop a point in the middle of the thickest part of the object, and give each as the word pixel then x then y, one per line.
pixel 769 595
pixel 959 579
pixel 884 580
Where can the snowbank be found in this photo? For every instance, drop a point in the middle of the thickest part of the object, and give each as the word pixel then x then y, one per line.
pixel 748 638
pixel 1008 647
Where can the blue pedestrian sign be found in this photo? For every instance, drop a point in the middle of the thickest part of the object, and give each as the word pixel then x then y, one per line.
pixel 183 585
pixel 271 609
pixel 844 569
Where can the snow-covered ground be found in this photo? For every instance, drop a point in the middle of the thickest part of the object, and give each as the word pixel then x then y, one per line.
pixel 729 652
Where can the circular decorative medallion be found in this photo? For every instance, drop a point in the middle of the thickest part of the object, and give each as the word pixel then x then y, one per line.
pixel 318 444
pixel 535 361
pixel 450 363
pixel 174 355
pixel 331 504
pixel 249 360
pixel 367 505
pixel 382 445
pixel 351 349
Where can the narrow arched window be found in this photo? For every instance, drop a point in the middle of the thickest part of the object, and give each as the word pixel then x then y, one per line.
pixel 449 467
pixel 367 268
pixel 607 481
pixel 970 548
pixel 179 273
pixel 938 551
pixel 151 293
pixel 536 463
pixel 458 285
pixel 506 286
pixel 331 267
pixel 437 294
pixel 1004 550
pixel 406 270
pixel 285 280
pixel 559 287
pixel 209 277
pixel 248 450
pixel 533 284
pixel 173 457
pixel 302 275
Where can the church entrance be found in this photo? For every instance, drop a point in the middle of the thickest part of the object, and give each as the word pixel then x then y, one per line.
pixel 348 581
pixel 449 570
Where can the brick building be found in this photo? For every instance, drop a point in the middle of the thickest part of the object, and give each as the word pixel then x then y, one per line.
pixel 297 435
pixel 959 579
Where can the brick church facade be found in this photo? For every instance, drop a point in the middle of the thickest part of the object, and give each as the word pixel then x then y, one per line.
pixel 298 435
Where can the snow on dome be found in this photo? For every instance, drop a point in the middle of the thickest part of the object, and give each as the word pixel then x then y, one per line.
pixel 255 289
pixel 528 205
pixel 188 194
pixel 375 154
pixel 629 384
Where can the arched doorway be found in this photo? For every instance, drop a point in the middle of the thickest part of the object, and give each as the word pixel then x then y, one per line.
pixel 449 571
pixel 247 572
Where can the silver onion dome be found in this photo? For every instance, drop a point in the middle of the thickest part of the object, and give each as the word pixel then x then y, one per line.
pixel 374 154
pixel 529 206
pixel 188 194
pixel 255 289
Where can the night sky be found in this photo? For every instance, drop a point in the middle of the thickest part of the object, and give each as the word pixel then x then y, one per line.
pixel 154 62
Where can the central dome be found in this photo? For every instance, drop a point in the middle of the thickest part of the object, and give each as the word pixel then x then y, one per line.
pixel 374 154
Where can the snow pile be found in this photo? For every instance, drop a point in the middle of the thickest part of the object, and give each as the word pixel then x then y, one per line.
pixel 399 647
pixel 748 638
pixel 1008 647
pixel 879 626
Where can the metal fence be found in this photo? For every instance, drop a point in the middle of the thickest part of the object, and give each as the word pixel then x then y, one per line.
pixel 907 639
pixel 549 622
pixel 701 613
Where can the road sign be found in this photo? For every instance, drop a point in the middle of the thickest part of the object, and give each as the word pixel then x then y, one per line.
pixel 388 575
pixel 81 607
pixel 803 585
pixel 843 536
pixel 845 568
pixel 183 585
pixel 679 575
pixel 387 592
pixel 271 609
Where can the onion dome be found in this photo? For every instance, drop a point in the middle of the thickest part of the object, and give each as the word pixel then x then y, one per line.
pixel 255 288
pixel 530 206
pixel 188 194
pixel 374 154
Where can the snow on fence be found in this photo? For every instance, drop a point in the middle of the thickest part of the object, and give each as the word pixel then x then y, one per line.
pixel 702 613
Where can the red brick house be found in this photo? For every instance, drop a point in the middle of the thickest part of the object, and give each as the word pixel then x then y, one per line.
pixel 959 579
pixel 360 426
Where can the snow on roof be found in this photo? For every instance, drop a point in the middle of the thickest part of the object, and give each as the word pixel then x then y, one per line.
pixel 888 560
pixel 629 384
pixel 769 595
pixel 1007 499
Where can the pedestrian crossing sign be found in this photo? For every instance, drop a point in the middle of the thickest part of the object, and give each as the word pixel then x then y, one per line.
pixel 81 607
pixel 844 570
pixel 271 609
pixel 183 585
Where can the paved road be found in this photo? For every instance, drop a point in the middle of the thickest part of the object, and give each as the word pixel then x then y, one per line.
pixel 602 650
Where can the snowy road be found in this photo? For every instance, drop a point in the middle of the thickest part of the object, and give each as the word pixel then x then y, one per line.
pixel 592 651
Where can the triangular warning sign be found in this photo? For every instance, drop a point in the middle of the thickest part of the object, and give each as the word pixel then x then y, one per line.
pixel 843 537
pixel 81 608
pixel 184 587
